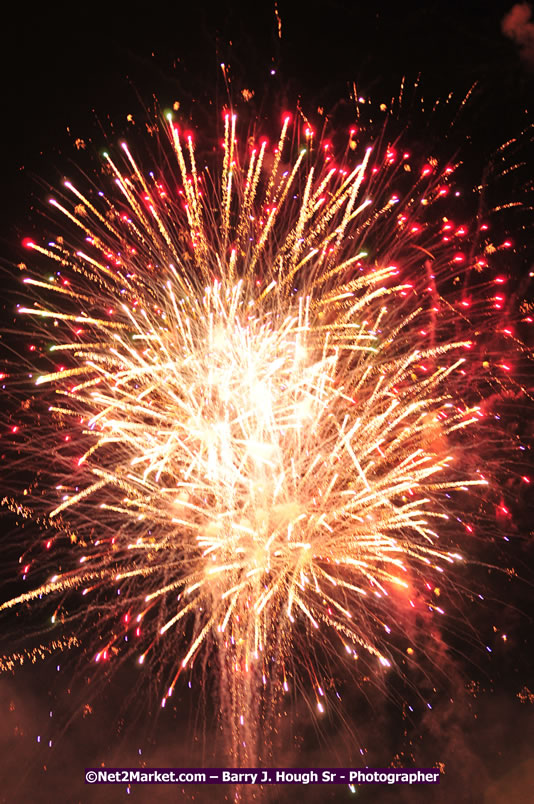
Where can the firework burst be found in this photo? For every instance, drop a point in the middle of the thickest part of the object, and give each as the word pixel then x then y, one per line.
pixel 258 409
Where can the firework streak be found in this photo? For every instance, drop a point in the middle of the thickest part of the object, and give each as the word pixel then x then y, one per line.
pixel 261 403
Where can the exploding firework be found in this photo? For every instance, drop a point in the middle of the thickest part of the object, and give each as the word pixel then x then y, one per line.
pixel 263 410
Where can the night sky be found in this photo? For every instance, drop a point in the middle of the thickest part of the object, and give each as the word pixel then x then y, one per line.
pixel 76 71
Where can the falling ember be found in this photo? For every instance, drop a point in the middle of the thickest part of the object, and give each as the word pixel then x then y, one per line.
pixel 267 408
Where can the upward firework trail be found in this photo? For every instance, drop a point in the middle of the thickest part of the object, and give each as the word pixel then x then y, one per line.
pixel 261 392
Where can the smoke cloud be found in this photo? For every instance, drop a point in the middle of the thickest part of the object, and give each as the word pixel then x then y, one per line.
pixel 518 26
